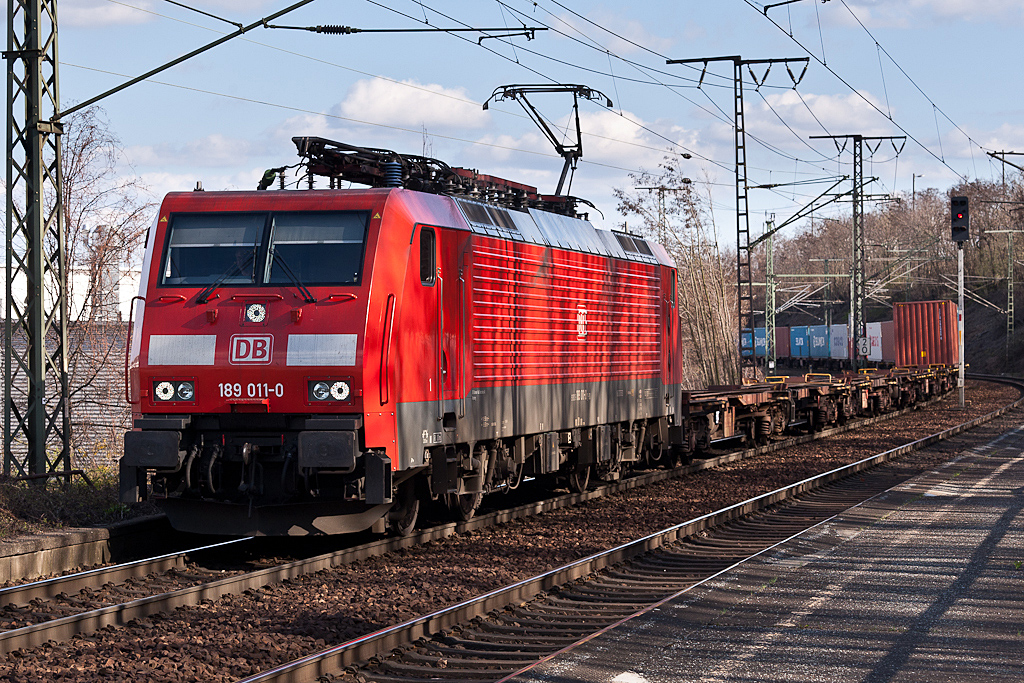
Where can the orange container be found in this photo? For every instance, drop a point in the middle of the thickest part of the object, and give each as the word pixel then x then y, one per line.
pixel 926 332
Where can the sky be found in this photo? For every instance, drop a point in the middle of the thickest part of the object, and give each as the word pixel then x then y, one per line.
pixel 943 73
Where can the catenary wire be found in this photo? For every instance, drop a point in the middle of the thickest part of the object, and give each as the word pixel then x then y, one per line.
pixel 641 126
pixel 368 74
pixel 871 104
pixel 723 117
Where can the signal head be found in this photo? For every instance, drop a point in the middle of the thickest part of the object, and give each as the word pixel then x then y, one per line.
pixel 960 218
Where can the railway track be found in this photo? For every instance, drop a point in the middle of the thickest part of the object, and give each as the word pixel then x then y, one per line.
pixel 200 588
pixel 494 636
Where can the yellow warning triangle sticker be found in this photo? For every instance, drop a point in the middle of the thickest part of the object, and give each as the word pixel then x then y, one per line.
pixel 376 216
pixel 164 219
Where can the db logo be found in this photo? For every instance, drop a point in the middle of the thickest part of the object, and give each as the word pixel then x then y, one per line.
pixel 251 349
pixel 581 321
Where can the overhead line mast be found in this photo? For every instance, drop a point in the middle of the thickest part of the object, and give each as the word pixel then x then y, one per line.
pixel 744 248
pixel 860 347
pixel 35 330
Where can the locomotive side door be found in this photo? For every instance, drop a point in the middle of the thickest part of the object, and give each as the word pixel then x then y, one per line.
pixel 438 270
pixel 450 296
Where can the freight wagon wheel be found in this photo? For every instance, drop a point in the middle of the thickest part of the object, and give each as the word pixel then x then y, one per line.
pixel 464 506
pixel 579 479
pixel 404 516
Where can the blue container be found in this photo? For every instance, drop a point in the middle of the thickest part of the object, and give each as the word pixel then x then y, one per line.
pixel 818 340
pixel 759 343
pixel 745 344
pixel 798 345
pixel 760 346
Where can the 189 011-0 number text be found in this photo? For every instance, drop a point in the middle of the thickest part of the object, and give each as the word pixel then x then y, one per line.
pixel 250 390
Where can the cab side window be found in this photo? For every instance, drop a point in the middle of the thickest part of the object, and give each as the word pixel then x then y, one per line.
pixel 428 259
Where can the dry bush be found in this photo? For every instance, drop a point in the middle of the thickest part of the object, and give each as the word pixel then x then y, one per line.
pixel 31 506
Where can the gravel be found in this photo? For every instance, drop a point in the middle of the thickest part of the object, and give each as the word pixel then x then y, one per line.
pixel 240 635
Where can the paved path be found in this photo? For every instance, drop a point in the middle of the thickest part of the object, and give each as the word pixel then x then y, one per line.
pixel 924 583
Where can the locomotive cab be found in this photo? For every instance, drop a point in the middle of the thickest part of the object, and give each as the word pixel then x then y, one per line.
pixel 249 363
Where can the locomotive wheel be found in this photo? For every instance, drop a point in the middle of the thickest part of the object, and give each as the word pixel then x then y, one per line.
pixel 464 506
pixel 404 517
pixel 579 479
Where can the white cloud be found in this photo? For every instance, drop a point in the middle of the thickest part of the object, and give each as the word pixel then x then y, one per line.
pixel 410 105
pixel 160 182
pixel 839 114
pixel 97 13
pixel 608 138
pixel 883 13
pixel 634 35
pixel 1005 137
pixel 214 150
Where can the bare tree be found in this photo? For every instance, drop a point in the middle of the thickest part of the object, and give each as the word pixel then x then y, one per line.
pixel 106 218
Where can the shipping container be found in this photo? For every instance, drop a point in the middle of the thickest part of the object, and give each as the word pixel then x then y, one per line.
pixel 888 341
pixel 875 337
pixel 798 346
pixel 781 342
pixel 745 344
pixel 758 343
pixel 925 333
pixel 840 347
pixel 817 341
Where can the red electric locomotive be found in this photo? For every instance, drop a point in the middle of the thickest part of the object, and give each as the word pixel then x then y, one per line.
pixel 322 361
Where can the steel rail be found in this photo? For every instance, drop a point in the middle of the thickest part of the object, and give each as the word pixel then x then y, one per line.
pixel 330 661
pixel 116 615
pixel 47 589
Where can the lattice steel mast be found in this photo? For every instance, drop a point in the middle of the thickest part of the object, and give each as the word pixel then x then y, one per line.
pixel 770 351
pixel 744 248
pixel 37 428
pixel 859 329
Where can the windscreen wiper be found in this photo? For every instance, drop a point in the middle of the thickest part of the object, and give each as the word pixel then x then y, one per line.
pixel 306 294
pixel 237 269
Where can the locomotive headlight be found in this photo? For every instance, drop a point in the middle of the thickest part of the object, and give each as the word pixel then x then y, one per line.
pixel 321 391
pixel 340 391
pixel 164 391
pixel 186 391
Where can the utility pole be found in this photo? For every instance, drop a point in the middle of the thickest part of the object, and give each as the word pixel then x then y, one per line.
pixel 769 305
pixel 1009 283
pixel 858 328
pixel 36 331
pixel 960 319
pixel 960 224
pixel 661 190
pixel 744 254
pixel 1001 156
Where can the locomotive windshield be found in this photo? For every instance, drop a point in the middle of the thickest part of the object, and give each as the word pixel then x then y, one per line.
pixel 319 248
pixel 204 248
pixel 304 248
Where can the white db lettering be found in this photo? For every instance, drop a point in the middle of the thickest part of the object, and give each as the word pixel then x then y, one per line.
pixel 249 349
